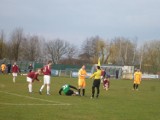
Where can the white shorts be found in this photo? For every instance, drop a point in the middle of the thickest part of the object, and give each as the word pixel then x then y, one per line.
pixel 29 79
pixel 14 74
pixel 47 79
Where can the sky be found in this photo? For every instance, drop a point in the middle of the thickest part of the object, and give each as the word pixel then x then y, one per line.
pixel 77 20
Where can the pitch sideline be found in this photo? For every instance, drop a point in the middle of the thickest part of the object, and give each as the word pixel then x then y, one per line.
pixel 54 102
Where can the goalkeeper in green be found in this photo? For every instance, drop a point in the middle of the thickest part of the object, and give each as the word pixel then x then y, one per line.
pixel 68 91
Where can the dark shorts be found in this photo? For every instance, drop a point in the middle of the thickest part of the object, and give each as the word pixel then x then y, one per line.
pixel 70 92
pixel 96 83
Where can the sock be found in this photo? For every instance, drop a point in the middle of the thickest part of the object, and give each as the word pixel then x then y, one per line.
pixel 48 89
pixel 137 86
pixel 30 87
pixel 14 79
pixel 42 88
pixel 97 92
pixel 93 91
pixel 83 92
pixel 134 86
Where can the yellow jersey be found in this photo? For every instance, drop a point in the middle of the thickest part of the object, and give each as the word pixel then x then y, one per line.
pixel 137 77
pixel 96 75
pixel 82 74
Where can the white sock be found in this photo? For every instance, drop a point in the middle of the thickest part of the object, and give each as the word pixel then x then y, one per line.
pixel 14 79
pixel 48 89
pixel 30 87
pixel 42 88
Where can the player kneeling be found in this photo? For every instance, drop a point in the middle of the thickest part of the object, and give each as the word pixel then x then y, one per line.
pixel 31 77
pixel 67 91
pixel 106 82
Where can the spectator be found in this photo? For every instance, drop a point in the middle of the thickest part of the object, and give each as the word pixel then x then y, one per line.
pixel 30 67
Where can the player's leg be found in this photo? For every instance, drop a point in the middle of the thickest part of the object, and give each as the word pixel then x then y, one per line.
pixel 29 80
pixel 83 88
pixel 48 89
pixel 48 84
pixel 79 86
pixel 30 87
pixel 93 89
pixel 70 92
pixel 98 85
pixel 42 87
pixel 14 77
pixel 136 87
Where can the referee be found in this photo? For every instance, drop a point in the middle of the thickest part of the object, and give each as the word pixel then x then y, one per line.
pixel 96 82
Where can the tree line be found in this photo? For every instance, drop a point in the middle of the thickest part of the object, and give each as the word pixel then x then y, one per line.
pixel 118 51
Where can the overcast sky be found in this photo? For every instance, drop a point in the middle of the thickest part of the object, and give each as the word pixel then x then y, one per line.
pixel 76 20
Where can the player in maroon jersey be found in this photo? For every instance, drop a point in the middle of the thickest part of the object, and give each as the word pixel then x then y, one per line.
pixel 47 77
pixel 31 77
pixel 15 70
pixel 106 82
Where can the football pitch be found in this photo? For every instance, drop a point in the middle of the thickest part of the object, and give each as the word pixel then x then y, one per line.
pixel 120 102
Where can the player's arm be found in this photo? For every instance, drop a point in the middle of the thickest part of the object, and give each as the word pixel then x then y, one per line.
pixel 92 75
pixel 60 91
pixel 73 87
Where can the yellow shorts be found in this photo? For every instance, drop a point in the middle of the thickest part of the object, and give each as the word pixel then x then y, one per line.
pixel 81 83
pixel 137 81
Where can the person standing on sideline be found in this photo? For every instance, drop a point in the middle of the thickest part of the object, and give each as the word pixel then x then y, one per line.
pixel 31 77
pixel 15 70
pixel 81 80
pixel 137 79
pixel 47 77
pixel 30 67
pixel 3 68
pixel 117 74
pixel 96 82
pixel 9 68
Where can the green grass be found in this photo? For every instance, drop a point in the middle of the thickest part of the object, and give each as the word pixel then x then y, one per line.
pixel 119 103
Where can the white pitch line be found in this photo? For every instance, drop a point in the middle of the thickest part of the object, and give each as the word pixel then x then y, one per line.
pixel 31 104
pixel 35 98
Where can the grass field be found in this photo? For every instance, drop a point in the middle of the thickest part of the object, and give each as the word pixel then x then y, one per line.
pixel 119 103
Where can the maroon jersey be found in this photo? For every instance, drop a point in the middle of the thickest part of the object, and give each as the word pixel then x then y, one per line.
pixel 106 83
pixel 15 69
pixel 33 76
pixel 47 70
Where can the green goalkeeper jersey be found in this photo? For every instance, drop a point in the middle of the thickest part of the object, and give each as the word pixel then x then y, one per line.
pixel 65 88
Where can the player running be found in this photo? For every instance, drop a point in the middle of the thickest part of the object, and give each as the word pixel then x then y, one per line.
pixel 81 80
pixel 137 79
pixel 67 90
pixel 31 77
pixel 96 82
pixel 15 70
pixel 47 77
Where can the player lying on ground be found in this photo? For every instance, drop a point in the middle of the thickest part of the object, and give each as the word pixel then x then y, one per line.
pixel 68 91
pixel 31 77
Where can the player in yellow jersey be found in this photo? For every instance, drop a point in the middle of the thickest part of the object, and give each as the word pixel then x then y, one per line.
pixel 3 68
pixel 96 82
pixel 81 80
pixel 137 79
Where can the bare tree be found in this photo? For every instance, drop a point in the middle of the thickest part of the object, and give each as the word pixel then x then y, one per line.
pixel 16 39
pixel 122 51
pixel 31 48
pixel 56 49
pixel 2 45
pixel 151 56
